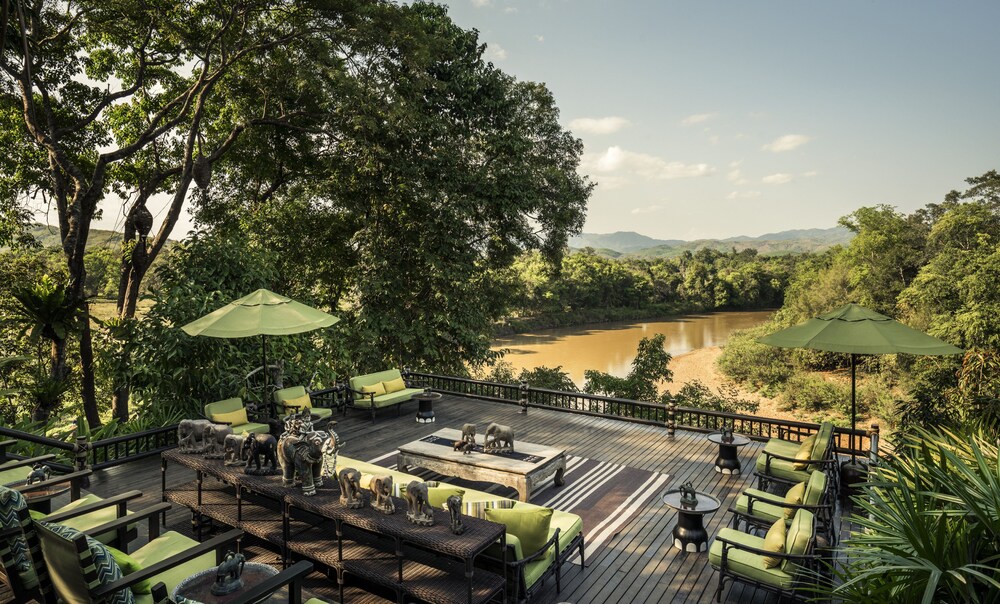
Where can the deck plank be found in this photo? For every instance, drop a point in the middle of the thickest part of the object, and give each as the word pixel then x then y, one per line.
pixel 638 565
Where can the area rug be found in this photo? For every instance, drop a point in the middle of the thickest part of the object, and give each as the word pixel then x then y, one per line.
pixel 605 495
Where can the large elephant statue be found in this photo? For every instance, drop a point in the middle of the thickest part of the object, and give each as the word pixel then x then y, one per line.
pixel 191 435
pixel 381 488
pixel 256 446
pixel 418 512
pixel 232 450
pixel 301 459
pixel 498 438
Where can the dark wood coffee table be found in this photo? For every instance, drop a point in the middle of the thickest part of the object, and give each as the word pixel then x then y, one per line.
pixel 198 587
pixel 689 533
pixel 728 460
pixel 425 411
pixel 41 499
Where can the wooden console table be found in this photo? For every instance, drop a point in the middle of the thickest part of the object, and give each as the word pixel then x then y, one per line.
pixel 524 471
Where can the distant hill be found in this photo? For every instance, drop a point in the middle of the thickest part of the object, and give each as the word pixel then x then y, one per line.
pixel 48 236
pixel 795 241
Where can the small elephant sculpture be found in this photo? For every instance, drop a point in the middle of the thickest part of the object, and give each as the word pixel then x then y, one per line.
pixel 350 489
pixel 215 440
pixel 191 435
pixel 462 445
pixel 39 473
pixel 227 575
pixel 469 434
pixel 418 512
pixel 256 446
pixel 454 503
pixel 498 439
pixel 381 488
pixel 232 450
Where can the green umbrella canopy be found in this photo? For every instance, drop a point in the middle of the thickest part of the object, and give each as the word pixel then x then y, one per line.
pixel 262 313
pixel 855 329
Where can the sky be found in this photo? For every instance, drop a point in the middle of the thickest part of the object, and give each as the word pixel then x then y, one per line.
pixel 706 118
pixel 712 119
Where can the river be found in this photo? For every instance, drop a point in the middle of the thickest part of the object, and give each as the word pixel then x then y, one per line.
pixel 611 347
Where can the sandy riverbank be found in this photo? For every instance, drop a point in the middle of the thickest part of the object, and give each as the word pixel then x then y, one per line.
pixel 700 365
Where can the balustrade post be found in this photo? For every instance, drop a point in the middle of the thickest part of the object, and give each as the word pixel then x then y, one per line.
pixel 80 453
pixel 671 418
pixel 873 437
pixel 524 398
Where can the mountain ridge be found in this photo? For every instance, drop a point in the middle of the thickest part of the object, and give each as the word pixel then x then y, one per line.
pixel 792 241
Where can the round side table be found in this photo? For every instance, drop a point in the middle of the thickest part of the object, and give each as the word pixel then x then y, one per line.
pixel 425 411
pixel 690 534
pixel 198 587
pixel 728 461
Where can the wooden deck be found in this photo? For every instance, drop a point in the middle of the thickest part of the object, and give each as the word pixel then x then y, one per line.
pixel 639 564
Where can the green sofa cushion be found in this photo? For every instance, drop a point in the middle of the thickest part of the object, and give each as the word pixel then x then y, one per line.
pixel 797 539
pixel 763 511
pixel 530 526
pixel 169 544
pixel 14 475
pixel 785 448
pixel 93 519
pixel 387 400
pixel 399 479
pixel 438 496
pixel 129 565
pixel 224 406
pixel 747 564
pixel 823 439
pixel 815 489
pixel 533 571
pixel 781 469
pixel 370 379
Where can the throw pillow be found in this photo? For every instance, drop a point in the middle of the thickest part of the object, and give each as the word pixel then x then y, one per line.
pixel 437 497
pixel 106 568
pixel 530 526
pixel 236 418
pixel 377 389
pixel 300 403
pixel 804 452
pixel 774 541
pixel 794 496
pixel 11 502
pixel 129 565
pixel 394 385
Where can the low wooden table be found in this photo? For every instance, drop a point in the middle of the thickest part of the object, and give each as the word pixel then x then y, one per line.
pixel 525 470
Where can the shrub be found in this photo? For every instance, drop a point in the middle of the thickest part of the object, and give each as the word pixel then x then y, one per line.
pixel 746 361
pixel 726 399
pixel 814 393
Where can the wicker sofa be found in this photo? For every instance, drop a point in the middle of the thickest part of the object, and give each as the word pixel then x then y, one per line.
pixel 379 390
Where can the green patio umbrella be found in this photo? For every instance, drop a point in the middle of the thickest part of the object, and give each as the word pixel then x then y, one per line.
pixel 855 330
pixel 262 313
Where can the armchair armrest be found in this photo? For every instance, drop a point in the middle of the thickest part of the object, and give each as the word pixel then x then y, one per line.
pixel 118 500
pixel 769 456
pixel 727 544
pixel 3 448
pixel 370 395
pixel 151 571
pixel 291 576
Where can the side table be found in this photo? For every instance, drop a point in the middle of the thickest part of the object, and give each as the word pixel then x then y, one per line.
pixel 41 499
pixel 690 534
pixel 198 587
pixel 425 411
pixel 728 461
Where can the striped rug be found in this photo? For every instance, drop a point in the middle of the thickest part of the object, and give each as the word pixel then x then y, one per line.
pixel 605 495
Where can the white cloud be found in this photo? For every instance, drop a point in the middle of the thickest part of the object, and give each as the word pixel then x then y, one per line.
pixel 777 179
pixel 649 167
pixel 743 195
pixel 598 125
pixel 481 3
pixel 810 173
pixel 495 52
pixel 647 210
pixel 540 38
pixel 786 143
pixel 736 176
pixel 697 118
pixel 510 10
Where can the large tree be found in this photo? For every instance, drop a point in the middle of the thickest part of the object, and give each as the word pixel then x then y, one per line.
pixel 141 99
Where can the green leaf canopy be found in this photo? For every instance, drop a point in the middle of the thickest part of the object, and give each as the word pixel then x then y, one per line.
pixel 262 313
pixel 858 330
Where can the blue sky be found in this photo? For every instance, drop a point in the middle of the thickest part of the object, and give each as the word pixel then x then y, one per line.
pixel 713 119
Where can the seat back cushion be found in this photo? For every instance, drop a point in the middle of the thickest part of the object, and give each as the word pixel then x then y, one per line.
pixel 799 536
pixel 298 404
pixel 370 379
pixel 236 418
pixel 287 394
pixel 795 496
pixel 74 575
pixel 805 452
pixel 824 437
pixel 225 406
pixel 394 385
pixel 378 389
pixel 11 502
pixel 774 541
pixel 438 496
pixel 531 526
pixel 815 489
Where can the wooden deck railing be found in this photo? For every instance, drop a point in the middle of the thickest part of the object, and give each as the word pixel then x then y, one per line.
pixel 670 415
pixel 98 454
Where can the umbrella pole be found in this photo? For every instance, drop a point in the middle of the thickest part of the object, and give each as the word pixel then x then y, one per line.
pixel 853 403
pixel 263 357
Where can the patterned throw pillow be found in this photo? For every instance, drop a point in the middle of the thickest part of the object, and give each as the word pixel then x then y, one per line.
pixel 11 502
pixel 107 569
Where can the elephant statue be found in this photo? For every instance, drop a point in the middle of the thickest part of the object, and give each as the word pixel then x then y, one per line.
pixel 191 435
pixel 256 446
pixel 418 512
pixel 227 575
pixel 215 440
pixel 350 489
pixel 381 488
pixel 301 459
pixel 39 473
pixel 498 439
pixel 232 450
pixel 454 504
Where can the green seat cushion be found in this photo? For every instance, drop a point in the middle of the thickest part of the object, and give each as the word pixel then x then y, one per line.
pixel 14 475
pixel 224 406
pixel 386 400
pixel 533 571
pixel 747 564
pixel 530 526
pixel 799 535
pixel 129 565
pixel 815 489
pixel 316 601
pixel 166 545
pixel 785 448
pixel 569 525
pixel 438 496
pixel 93 519
pixel 370 379
pixel 252 427
pixel 322 412
pixel 780 468
pixel 763 511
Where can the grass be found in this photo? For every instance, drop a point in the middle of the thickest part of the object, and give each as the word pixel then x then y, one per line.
pixel 103 309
